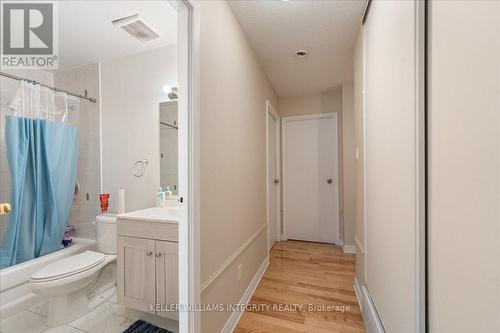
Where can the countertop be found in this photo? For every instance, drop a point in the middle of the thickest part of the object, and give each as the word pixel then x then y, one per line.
pixel 154 214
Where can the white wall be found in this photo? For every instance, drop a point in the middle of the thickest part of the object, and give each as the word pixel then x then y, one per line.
pixel 131 90
pixel 464 167
pixel 391 163
pixel 233 92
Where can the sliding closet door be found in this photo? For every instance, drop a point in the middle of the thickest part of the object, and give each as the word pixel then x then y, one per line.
pixel 391 172
pixel 464 166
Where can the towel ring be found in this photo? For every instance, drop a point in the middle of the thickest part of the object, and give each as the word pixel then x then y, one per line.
pixel 142 170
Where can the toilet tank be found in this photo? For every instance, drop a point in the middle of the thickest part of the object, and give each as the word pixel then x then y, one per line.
pixel 106 233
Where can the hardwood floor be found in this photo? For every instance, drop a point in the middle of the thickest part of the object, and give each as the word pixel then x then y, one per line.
pixel 305 274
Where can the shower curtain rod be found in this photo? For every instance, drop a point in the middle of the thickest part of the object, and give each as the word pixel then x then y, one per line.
pixel 10 76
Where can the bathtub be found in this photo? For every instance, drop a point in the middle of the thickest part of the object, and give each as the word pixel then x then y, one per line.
pixel 15 294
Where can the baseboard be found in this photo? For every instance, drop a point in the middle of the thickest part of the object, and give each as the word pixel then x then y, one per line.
pixel 359 294
pixel 245 299
pixel 349 248
pixel 370 315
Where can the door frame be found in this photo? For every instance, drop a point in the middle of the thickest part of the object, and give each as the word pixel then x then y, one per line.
pixel 271 111
pixel 188 78
pixel 284 122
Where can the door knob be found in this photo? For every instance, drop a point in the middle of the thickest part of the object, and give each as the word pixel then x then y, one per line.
pixel 149 253
pixel 158 255
pixel 5 208
pixel 329 181
pixel 276 181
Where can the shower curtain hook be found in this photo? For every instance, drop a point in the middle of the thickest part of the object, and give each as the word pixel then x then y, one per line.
pixel 65 107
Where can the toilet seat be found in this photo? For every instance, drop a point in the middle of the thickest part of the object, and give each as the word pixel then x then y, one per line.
pixel 68 267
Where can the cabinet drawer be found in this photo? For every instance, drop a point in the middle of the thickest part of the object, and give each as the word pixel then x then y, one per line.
pixel 145 229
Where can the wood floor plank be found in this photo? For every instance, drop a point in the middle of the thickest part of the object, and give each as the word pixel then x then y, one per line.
pixel 305 274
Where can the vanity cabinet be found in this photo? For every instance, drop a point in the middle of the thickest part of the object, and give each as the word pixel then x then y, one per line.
pixel 148 266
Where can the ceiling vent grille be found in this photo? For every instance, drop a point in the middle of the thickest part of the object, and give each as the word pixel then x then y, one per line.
pixel 136 27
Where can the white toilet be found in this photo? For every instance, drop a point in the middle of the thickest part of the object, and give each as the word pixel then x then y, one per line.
pixel 71 282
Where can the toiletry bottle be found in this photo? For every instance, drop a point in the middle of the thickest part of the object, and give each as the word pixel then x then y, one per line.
pixel 159 194
pixel 163 201
pixel 104 198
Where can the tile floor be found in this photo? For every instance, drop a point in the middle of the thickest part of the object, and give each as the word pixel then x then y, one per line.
pixel 108 317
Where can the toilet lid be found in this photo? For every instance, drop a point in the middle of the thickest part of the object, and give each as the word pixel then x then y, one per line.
pixel 68 266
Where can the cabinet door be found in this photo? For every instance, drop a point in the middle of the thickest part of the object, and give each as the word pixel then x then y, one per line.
pixel 136 273
pixel 167 276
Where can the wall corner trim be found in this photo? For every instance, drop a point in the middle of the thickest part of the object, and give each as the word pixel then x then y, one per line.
pixel 231 258
pixel 245 299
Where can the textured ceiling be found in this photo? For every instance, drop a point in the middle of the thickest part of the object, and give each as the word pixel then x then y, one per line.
pixel 326 28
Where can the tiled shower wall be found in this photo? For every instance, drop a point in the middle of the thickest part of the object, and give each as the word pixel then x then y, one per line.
pixel 86 206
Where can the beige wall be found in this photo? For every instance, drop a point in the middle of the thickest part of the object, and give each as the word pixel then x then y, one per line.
pixel 359 215
pixel 348 162
pixel 233 92
pixel 332 101
pixel 464 167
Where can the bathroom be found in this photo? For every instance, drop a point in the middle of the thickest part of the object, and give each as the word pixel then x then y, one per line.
pixel 111 127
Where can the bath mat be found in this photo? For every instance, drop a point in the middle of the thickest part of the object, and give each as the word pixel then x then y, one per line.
pixel 142 326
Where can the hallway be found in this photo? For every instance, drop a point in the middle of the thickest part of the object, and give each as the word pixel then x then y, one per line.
pixel 305 273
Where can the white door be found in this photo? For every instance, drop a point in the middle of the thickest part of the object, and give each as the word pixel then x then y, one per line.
pixel 310 178
pixel 273 201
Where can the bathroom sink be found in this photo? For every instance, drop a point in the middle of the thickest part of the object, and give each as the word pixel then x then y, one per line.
pixel 154 214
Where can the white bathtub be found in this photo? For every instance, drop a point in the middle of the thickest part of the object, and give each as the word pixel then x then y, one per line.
pixel 15 294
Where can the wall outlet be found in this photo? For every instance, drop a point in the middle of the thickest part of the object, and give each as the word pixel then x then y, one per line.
pixel 239 271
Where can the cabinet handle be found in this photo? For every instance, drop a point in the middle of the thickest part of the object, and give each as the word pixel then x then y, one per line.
pixel 149 253
pixel 158 255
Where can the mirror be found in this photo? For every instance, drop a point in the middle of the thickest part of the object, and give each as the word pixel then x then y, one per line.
pixel 169 176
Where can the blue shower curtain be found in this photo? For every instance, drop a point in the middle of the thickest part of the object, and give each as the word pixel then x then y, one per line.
pixel 43 160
